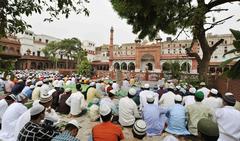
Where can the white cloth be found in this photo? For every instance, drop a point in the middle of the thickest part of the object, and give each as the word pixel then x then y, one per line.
pixel 55 83
pixel 76 102
pixel 205 90
pixel 143 97
pixel 188 100
pixel 3 108
pixel 94 112
pixel 36 93
pixel 52 115
pixel 127 111
pixel 110 103
pixel 44 89
pixel 228 123
pixel 167 99
pixel 9 120
pixel 22 120
pixel 115 86
pixel 213 102
pixel 125 84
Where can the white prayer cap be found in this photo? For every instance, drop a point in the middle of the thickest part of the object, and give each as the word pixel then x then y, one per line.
pixel 104 110
pixel 92 84
pixel 228 93
pixel 32 87
pixel 178 87
pixel 44 98
pixel 13 97
pixel 192 90
pixel 146 86
pixel 214 91
pixel 140 127
pixel 83 78
pixel 21 97
pixel 182 90
pixel 202 84
pixel 28 81
pixel 36 109
pixel 75 123
pixel 45 80
pixel 39 83
pixel 113 92
pixel 51 91
pixel 68 90
pixel 171 86
pixel 178 98
pixel 132 91
pixel 150 98
pixel 185 86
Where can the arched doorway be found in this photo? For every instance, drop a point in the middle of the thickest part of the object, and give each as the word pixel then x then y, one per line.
pixel 147 62
pixel 116 66
pixel 40 65
pixel 124 66
pixel 166 66
pixel 186 67
pixel 33 65
pixel 149 66
pixel 131 66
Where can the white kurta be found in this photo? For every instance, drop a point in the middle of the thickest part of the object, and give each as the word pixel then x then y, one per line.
pixel 3 108
pixel 228 123
pixel 213 102
pixel 127 111
pixel 44 89
pixel 167 99
pixel 115 86
pixel 188 100
pixel 22 120
pixel 205 90
pixel 76 102
pixel 9 120
pixel 143 97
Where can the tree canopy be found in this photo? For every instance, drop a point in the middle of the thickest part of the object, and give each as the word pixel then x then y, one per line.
pixel 13 11
pixel 170 16
pixel 234 72
pixel 70 48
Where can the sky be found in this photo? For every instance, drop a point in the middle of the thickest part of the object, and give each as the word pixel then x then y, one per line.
pixel 97 26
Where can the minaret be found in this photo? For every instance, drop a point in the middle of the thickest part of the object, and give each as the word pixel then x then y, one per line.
pixel 111 48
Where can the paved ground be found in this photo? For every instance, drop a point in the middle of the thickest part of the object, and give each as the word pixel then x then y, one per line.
pixel 87 125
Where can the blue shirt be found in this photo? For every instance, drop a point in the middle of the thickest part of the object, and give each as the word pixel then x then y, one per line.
pixel 65 136
pixel 177 120
pixel 153 116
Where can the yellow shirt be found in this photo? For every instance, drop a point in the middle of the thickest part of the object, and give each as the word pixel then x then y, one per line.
pixel 91 94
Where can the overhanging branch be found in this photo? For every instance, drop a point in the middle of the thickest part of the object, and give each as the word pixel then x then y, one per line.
pixel 214 47
pixel 217 23
pixel 189 51
pixel 215 3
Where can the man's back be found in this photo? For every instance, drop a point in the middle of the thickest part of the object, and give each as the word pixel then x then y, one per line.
pixel 107 131
pixel 127 111
pixel 76 102
pixel 228 123
pixel 167 99
pixel 34 132
pixel 63 107
pixel 195 112
pixel 152 116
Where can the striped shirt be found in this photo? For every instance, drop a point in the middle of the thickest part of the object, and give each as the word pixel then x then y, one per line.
pixel 65 136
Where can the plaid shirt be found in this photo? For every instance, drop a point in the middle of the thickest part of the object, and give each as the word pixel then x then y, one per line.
pixel 65 136
pixel 34 132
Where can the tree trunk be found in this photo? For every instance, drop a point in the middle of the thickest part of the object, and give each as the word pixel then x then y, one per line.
pixel 203 67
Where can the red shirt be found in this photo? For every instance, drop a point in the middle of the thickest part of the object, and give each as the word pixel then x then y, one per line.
pixel 107 131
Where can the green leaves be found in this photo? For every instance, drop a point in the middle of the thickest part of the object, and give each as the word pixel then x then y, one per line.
pixel 234 72
pixel 13 11
pixel 85 68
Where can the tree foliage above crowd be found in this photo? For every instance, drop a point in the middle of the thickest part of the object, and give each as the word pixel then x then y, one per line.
pixel 12 12
pixel 69 48
pixel 234 72
pixel 170 16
